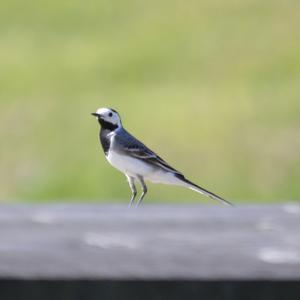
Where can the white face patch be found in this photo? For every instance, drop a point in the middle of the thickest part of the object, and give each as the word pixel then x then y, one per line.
pixel 102 111
pixel 109 116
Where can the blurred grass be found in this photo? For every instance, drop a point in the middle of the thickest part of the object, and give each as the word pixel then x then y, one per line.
pixel 212 86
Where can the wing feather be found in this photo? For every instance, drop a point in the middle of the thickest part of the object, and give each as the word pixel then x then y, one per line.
pixel 133 147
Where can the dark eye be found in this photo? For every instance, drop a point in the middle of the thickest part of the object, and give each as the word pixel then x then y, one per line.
pixel 110 114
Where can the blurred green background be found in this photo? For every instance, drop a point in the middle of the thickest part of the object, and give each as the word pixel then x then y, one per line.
pixel 212 86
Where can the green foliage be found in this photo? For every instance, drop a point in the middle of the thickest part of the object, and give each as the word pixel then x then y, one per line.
pixel 213 86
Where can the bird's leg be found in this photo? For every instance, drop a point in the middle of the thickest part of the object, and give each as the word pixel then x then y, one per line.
pixel 144 190
pixel 133 189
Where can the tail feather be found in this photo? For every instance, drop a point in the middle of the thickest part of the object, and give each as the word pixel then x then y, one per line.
pixel 203 191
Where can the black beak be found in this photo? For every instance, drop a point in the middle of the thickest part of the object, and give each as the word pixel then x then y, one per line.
pixel 95 114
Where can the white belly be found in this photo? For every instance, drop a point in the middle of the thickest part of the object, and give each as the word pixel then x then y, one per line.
pixel 136 167
pixel 129 165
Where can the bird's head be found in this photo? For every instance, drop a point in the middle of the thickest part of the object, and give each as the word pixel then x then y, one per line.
pixel 108 118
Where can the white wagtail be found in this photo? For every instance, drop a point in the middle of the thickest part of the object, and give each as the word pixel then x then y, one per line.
pixel 135 160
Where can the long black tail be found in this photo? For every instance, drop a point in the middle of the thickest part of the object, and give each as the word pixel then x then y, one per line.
pixel 203 191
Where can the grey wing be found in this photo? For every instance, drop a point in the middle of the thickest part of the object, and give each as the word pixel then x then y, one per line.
pixel 133 147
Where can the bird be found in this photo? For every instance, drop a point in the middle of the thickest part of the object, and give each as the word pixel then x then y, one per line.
pixel 130 156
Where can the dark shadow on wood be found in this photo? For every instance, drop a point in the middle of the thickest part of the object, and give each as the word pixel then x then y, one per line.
pixel 147 290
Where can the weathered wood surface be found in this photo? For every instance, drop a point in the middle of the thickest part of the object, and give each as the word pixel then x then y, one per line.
pixel 193 242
